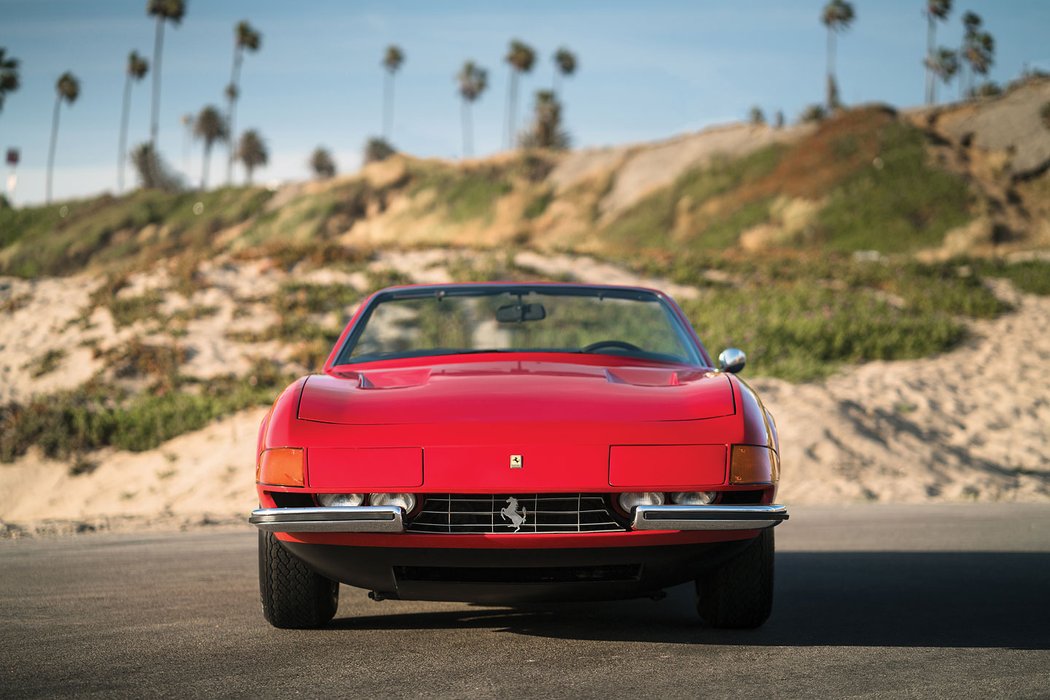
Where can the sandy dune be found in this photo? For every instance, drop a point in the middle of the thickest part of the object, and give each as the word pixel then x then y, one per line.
pixel 971 424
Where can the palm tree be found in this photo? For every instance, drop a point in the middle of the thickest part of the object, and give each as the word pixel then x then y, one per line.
pixel 67 89
pixel 392 60
pixel 322 164
pixel 979 54
pixel 836 16
pixel 136 71
pixel 564 66
pixel 8 75
pixel 944 64
pixel 165 11
pixel 546 131
pixel 971 25
pixel 377 150
pixel 472 81
pixel 252 152
pixel 209 127
pixel 520 56
pixel 936 10
pixel 245 38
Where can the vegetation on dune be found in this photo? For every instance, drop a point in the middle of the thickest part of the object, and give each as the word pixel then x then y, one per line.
pixel 899 204
pixel 866 171
pixel 65 238
pixel 1030 276
pixel 462 195
pixel 313 218
pixel 801 318
pixel 99 415
pixel 653 223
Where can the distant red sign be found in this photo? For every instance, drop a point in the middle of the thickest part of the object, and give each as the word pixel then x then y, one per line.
pixel 12 156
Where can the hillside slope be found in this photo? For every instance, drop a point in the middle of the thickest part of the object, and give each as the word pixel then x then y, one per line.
pixel 963 179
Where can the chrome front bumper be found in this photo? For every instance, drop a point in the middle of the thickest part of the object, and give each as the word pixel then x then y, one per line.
pixel 329 519
pixel 707 517
pixel 389 518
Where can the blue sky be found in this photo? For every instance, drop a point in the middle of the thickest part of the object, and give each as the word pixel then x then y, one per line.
pixel 648 70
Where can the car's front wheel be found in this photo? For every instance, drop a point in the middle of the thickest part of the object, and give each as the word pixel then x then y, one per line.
pixel 739 594
pixel 293 595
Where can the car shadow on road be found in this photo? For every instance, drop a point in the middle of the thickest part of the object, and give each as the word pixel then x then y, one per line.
pixel 899 599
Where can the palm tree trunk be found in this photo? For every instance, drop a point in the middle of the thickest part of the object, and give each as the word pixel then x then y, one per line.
pixel 122 146
pixel 831 87
pixel 51 150
pixel 512 108
pixel 931 28
pixel 231 110
pixel 158 47
pixel 468 146
pixel 187 137
pixel 154 127
pixel 388 104
pixel 204 165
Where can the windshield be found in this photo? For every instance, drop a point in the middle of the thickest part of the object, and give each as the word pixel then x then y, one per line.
pixel 445 321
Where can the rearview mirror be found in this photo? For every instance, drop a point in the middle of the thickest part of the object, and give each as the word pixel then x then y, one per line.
pixel 516 313
pixel 732 360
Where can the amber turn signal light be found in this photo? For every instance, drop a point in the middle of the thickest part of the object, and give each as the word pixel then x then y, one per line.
pixel 282 466
pixel 753 465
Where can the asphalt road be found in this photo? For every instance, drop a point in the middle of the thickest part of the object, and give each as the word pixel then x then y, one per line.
pixel 943 601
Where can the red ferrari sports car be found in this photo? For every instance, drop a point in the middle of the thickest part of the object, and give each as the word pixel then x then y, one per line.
pixel 505 443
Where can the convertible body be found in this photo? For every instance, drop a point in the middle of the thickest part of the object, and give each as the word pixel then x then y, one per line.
pixel 503 443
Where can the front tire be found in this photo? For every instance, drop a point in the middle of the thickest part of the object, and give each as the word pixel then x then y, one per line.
pixel 739 594
pixel 293 595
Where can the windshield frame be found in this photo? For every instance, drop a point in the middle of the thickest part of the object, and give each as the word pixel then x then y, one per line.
pixel 680 325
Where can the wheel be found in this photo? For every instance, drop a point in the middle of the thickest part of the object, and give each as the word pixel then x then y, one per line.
pixel 739 594
pixel 293 595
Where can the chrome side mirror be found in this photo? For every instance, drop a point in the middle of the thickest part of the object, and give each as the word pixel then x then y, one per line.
pixel 732 360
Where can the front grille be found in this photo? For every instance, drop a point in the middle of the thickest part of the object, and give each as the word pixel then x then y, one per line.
pixel 514 513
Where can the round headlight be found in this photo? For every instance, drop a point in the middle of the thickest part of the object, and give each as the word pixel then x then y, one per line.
pixel 405 501
pixel 693 498
pixel 340 499
pixel 629 501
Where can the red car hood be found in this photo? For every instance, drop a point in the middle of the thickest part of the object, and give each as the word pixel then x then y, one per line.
pixel 513 390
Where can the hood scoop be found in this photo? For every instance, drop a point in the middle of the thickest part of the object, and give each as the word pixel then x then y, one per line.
pixel 393 379
pixel 644 376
